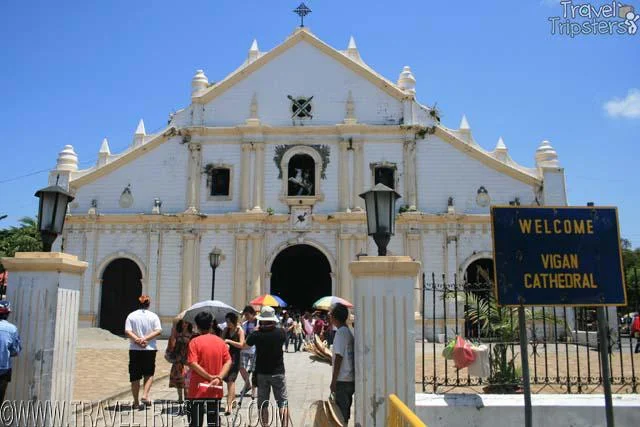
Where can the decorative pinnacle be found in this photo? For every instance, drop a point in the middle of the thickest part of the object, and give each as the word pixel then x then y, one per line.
pixel 464 123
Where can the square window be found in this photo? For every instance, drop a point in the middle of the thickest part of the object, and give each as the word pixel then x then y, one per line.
pixel 220 180
pixel 386 176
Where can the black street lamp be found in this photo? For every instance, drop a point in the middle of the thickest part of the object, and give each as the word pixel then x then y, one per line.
pixel 380 204
pixel 51 213
pixel 214 261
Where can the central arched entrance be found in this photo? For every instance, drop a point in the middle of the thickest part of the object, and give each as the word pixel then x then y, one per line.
pixel 121 287
pixel 300 275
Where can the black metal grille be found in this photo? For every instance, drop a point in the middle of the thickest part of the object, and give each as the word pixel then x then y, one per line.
pixel 563 343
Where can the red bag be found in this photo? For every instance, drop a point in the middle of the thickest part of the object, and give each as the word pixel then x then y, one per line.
pixel 463 355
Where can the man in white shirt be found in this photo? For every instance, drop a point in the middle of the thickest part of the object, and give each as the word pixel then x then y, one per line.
pixel 343 378
pixel 142 327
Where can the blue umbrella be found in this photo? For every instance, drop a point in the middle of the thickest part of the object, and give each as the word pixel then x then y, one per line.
pixel 280 300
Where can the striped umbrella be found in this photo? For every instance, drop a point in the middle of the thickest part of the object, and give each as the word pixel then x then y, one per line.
pixel 269 300
pixel 325 303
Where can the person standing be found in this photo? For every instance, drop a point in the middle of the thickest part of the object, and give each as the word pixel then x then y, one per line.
pixel 269 340
pixel 209 360
pixel 142 327
pixel 635 331
pixel 233 335
pixel 297 334
pixel 248 356
pixel 177 348
pixel 10 346
pixel 343 376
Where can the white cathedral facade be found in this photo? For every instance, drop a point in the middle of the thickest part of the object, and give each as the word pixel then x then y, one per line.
pixel 266 165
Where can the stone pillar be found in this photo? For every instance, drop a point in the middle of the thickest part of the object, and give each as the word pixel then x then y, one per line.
pixel 245 174
pixel 188 255
pixel 44 291
pixel 257 241
pixel 195 165
pixel 344 277
pixel 240 282
pixel 409 171
pixel 384 335
pixel 358 160
pixel 343 176
pixel 258 186
pixel 413 248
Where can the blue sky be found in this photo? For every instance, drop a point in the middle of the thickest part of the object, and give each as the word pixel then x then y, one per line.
pixel 74 72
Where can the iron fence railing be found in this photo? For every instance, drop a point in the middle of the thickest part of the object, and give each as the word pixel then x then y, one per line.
pixel 563 344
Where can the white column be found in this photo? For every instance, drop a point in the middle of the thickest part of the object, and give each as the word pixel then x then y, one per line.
pixel 413 249
pixel 358 161
pixel 240 282
pixel 410 173
pixel 193 190
pixel 257 241
pixel 44 290
pixel 343 176
pixel 188 253
pixel 245 177
pixel 344 277
pixel 258 186
pixel 384 335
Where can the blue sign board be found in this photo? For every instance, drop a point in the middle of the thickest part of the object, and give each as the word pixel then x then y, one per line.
pixel 557 256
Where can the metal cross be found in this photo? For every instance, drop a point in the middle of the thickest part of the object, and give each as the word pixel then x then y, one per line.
pixel 302 11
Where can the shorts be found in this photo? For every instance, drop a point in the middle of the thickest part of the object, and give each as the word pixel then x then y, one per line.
pixel 142 363
pixel 268 382
pixel 231 376
pixel 248 361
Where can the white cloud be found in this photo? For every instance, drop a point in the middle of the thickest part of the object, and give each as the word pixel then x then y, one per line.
pixel 628 107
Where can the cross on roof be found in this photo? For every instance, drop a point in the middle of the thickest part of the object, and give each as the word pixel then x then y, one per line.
pixel 302 11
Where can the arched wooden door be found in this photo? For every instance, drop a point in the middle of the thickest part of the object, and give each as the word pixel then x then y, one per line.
pixel 121 287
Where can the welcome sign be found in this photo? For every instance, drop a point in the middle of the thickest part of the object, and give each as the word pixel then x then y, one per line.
pixel 557 256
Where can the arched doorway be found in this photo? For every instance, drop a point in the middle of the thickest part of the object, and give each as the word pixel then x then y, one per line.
pixel 121 287
pixel 478 284
pixel 300 275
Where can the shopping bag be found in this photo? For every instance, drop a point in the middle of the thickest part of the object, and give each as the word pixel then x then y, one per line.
pixel 463 355
pixel 480 366
pixel 447 352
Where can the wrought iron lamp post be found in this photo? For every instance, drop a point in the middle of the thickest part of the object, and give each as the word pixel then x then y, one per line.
pixel 380 203
pixel 51 213
pixel 214 261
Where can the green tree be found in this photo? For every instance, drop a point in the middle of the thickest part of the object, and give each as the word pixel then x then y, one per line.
pixel 23 238
pixel 631 266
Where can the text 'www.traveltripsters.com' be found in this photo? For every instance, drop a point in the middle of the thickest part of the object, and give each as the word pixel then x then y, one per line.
pixel 111 414
pixel 577 19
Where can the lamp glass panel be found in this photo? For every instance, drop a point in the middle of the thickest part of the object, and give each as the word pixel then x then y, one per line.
pixel 61 211
pixel 384 218
pixel 371 212
pixel 48 205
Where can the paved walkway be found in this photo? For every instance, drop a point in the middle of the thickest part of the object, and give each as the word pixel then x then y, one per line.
pixel 101 375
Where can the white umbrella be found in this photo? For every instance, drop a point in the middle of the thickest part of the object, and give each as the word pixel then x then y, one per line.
pixel 218 310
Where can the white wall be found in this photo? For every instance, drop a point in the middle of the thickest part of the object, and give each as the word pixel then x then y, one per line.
pixel 303 71
pixel 159 173
pixel 508 410
pixel 443 171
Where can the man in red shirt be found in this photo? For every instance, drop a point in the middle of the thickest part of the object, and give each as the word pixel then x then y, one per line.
pixel 209 360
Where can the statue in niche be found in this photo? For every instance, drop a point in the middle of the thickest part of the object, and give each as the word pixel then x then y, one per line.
pixel 302 182
pixel 301 176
